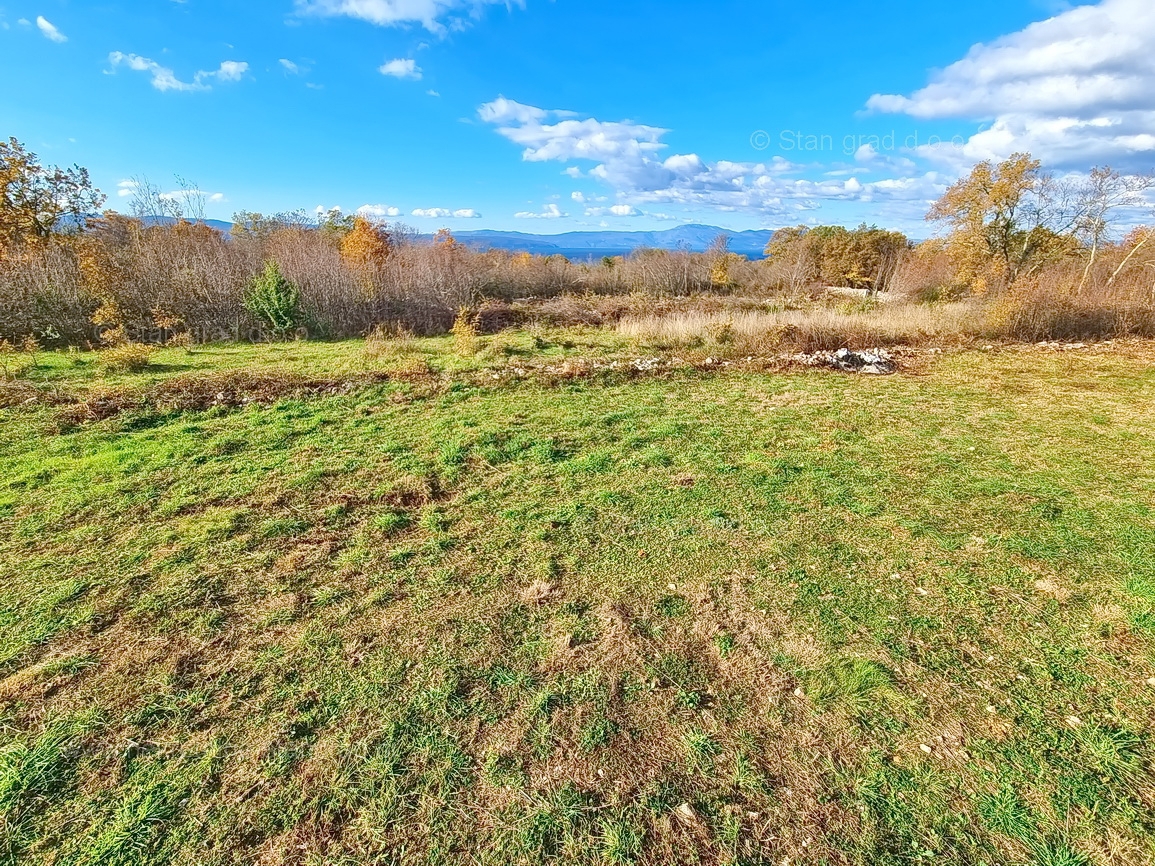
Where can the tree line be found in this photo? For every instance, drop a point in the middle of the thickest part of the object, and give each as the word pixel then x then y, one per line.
pixel 1021 239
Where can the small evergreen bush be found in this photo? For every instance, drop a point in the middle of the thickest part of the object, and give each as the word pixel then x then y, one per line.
pixel 274 301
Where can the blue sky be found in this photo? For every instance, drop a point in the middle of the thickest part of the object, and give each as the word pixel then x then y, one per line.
pixel 561 115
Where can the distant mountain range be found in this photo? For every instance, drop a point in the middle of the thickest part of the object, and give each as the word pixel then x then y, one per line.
pixel 696 238
pixel 591 244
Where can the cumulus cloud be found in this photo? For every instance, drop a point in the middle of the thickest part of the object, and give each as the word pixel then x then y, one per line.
pixel 629 158
pixel 230 70
pixel 289 66
pixel 437 16
pixel 617 210
pixel 49 30
pixel 466 213
pixel 163 78
pixel 378 211
pixel 401 68
pixel 1074 89
pixel 551 212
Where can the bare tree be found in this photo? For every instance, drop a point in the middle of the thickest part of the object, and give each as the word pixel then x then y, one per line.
pixel 148 202
pixel 1104 192
pixel 193 199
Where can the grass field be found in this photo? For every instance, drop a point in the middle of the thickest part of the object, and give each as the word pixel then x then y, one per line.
pixel 448 616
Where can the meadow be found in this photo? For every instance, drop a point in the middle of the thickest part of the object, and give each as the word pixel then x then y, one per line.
pixel 532 597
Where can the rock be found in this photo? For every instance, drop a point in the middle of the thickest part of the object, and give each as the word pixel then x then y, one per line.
pixel 875 362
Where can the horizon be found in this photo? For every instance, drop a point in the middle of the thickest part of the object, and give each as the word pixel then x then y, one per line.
pixel 418 113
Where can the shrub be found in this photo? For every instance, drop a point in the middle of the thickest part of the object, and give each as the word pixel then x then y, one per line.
pixel 383 343
pixel 274 301
pixel 127 357
pixel 465 338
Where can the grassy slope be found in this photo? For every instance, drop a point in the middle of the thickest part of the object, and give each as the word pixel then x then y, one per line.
pixel 699 618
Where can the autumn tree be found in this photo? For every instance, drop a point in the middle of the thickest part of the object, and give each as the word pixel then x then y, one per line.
pixel 792 255
pixel 862 258
pixel 34 198
pixel 367 245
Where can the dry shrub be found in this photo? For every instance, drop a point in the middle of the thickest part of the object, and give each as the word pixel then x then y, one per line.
pixel 493 316
pixel 187 283
pixel 127 357
pixel 466 341
pixel 602 310
pixel 1057 304
pixel 42 293
pixel 807 331
pixel 385 342
pixel 926 274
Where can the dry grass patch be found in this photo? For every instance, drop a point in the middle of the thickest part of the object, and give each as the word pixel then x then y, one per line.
pixel 819 329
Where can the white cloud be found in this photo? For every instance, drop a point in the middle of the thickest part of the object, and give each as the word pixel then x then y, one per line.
pixel 163 78
pixel 628 159
pixel 401 68
pixel 432 93
pixel 1075 89
pixel 230 70
pixel 617 210
pixel 378 211
pixel 551 212
pixel 290 67
pixel 49 30
pixel 579 197
pixel 185 195
pixel 126 188
pixel 393 13
pixel 467 213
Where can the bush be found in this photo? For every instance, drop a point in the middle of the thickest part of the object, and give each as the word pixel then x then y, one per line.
pixel 127 357
pixel 274 301
pixel 465 338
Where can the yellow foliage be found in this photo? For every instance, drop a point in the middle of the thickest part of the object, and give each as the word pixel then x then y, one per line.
pixel 720 271
pixel 445 239
pixel 127 357
pixel 987 243
pixel 465 337
pixel 108 315
pixel 367 245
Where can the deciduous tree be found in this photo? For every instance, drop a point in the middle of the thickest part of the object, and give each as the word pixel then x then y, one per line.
pixel 34 199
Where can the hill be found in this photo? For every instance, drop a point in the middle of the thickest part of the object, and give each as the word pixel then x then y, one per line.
pixel 695 238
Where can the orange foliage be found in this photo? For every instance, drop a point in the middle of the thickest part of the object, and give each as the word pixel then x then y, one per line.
pixel 367 245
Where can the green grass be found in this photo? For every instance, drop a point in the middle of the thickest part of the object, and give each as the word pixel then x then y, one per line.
pixel 728 617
